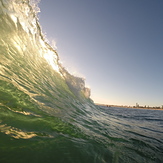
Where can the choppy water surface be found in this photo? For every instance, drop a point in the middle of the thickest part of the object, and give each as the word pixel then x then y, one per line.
pixel 46 114
pixel 142 131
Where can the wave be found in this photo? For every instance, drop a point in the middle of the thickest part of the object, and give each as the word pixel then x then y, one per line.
pixel 29 62
pixel 46 114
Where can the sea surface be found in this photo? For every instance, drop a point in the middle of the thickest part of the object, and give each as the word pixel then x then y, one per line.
pixel 46 114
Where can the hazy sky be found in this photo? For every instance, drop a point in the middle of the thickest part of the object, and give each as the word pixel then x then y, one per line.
pixel 117 45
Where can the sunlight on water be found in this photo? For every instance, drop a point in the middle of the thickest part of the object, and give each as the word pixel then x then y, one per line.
pixel 15 133
pixel 51 59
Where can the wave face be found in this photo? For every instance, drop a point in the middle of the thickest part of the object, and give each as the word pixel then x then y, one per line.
pixel 46 114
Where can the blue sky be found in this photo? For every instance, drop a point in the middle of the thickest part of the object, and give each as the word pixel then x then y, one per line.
pixel 117 45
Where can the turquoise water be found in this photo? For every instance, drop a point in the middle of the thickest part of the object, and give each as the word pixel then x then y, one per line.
pixel 46 114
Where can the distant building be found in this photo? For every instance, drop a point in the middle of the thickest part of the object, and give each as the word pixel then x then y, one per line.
pixel 137 105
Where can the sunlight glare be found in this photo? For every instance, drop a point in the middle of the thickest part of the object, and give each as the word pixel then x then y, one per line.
pixel 51 59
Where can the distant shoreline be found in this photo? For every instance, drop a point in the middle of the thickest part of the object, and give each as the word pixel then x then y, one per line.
pixel 130 107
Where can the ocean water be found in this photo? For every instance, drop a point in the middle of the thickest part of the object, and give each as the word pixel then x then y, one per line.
pixel 46 114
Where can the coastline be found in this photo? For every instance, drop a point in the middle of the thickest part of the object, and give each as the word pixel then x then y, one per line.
pixel 130 107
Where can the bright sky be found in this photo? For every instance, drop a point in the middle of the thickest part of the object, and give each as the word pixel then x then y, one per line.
pixel 117 45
